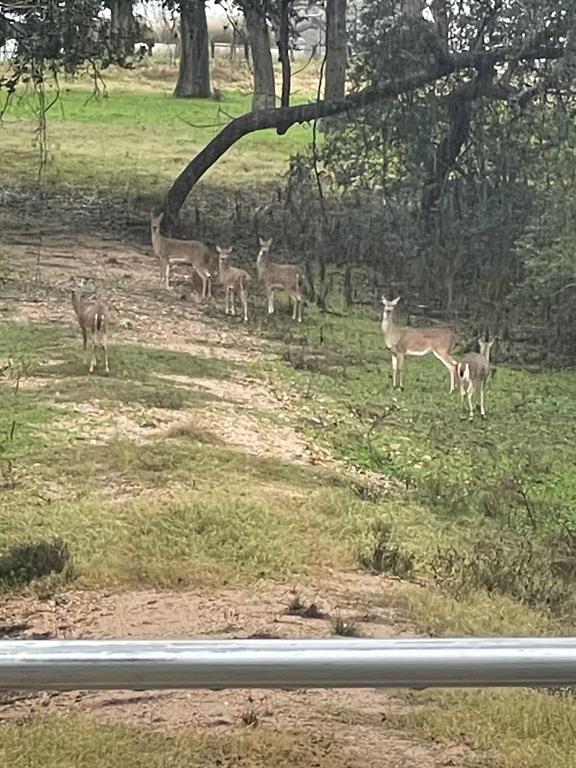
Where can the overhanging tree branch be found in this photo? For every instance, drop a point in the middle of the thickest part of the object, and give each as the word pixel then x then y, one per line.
pixel 284 117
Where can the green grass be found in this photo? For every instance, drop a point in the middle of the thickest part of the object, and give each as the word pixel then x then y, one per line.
pixel 510 474
pixel 515 729
pixel 69 742
pixel 137 137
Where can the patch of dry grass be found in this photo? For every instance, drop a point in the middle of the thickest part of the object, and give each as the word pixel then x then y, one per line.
pixel 71 742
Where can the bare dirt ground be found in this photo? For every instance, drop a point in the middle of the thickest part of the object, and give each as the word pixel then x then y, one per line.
pixel 355 721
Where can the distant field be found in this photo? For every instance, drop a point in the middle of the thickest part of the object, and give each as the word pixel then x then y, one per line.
pixel 136 134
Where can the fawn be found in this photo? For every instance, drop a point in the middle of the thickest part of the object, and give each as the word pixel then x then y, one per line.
pixel 402 341
pixel 233 279
pixel 170 251
pixel 472 372
pixel 284 276
pixel 92 317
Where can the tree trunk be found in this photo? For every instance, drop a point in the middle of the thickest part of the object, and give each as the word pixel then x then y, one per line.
pixel 335 85
pixel 264 87
pixel 194 70
pixel 284 52
pixel 336 55
pixel 122 27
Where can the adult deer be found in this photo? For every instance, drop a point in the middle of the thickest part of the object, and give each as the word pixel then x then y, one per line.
pixel 279 276
pixel 472 372
pixel 402 341
pixel 170 251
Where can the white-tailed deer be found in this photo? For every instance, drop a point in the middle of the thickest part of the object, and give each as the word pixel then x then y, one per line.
pixel 170 251
pixel 279 276
pixel 233 279
pixel 92 316
pixel 472 372
pixel 402 340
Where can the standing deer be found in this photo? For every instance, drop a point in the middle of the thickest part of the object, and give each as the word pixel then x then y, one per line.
pixel 402 341
pixel 170 251
pixel 92 317
pixel 472 372
pixel 233 279
pixel 284 276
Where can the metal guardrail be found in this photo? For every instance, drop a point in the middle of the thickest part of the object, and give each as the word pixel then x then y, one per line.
pixel 286 664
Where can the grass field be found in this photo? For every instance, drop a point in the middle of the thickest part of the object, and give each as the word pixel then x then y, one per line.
pixel 215 459
pixel 135 135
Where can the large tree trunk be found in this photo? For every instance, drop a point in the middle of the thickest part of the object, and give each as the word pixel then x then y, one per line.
pixel 336 55
pixel 335 85
pixel 122 26
pixel 194 70
pixel 264 86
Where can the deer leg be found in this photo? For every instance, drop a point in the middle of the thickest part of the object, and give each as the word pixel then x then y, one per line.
pixel 446 360
pixel 167 276
pixel 92 355
pixel 271 301
pixel 394 369
pixel 400 357
pixel 105 351
pixel 470 408
pixel 209 280
pixel 482 409
pixel 233 301
pixel 84 339
pixel 244 300
pixel 300 310
pixel 227 300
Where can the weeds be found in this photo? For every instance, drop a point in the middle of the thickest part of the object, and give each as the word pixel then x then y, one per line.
pixel 24 563
pixel 344 627
pixel 299 607
pixel 383 556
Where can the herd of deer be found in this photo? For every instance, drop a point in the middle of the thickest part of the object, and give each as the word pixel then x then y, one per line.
pixel 472 371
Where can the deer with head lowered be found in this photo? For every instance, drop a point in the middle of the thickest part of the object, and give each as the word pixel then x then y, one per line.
pixel 170 251
pixel 472 372
pixel 402 341
pixel 92 316
pixel 233 279
pixel 279 276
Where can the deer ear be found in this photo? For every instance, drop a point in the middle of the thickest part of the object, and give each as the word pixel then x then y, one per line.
pixel 396 300
pixel 262 242
pixel 230 249
pixel 218 249
pixel 384 299
pixel 269 243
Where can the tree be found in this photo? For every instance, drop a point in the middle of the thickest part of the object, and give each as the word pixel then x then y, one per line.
pixel 194 69
pixel 54 36
pixel 122 25
pixel 336 53
pixel 256 15
pixel 543 46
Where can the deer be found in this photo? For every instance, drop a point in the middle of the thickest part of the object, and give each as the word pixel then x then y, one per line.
pixel 233 279
pixel 170 251
pixel 275 276
pixel 92 317
pixel 402 340
pixel 473 371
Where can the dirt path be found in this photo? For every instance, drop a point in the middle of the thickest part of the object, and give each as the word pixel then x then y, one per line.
pixel 353 720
